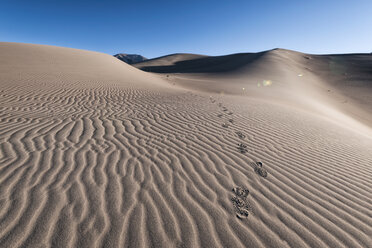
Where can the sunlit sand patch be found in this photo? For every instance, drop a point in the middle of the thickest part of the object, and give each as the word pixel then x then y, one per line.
pixel 267 82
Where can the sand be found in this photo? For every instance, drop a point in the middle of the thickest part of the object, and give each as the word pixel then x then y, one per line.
pixel 97 153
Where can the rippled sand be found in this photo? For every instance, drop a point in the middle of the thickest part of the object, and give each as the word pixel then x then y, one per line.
pixel 96 153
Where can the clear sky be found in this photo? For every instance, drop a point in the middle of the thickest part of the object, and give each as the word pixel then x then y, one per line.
pixel 160 27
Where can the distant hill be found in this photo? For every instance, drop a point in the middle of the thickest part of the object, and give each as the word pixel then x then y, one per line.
pixel 130 58
pixel 163 63
pixel 343 80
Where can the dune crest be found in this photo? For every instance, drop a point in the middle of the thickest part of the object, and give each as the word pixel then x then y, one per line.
pixel 336 87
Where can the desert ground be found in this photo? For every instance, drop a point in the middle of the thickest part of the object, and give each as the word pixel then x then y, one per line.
pixel 269 149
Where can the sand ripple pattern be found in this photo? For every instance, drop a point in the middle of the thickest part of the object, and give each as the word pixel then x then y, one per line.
pixel 119 167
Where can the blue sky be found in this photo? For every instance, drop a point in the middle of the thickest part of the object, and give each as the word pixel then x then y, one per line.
pixel 155 28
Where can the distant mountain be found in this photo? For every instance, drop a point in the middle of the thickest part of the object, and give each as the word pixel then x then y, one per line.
pixel 130 58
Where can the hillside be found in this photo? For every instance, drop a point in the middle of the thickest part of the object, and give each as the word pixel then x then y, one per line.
pixel 234 151
pixel 130 58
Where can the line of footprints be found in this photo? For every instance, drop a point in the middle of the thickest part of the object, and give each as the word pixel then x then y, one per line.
pixel 239 200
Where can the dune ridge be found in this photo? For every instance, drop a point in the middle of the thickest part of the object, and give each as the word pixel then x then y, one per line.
pixel 335 86
pixel 96 153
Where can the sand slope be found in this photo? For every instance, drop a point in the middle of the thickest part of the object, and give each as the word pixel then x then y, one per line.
pixel 96 153
pixel 336 86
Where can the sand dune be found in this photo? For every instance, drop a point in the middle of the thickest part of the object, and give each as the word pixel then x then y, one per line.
pixel 167 61
pixel 338 86
pixel 96 153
